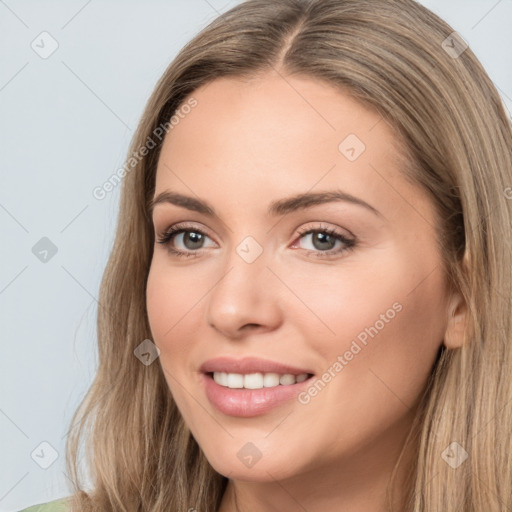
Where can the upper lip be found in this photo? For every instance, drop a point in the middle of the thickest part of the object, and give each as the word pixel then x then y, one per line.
pixel 249 365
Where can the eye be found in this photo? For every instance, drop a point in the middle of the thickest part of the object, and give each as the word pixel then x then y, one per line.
pixel 324 241
pixel 184 240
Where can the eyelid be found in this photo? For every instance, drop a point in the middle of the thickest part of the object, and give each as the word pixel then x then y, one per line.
pixel 185 226
pixel 322 226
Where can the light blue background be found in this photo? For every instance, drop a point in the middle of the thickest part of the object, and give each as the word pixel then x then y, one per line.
pixel 66 122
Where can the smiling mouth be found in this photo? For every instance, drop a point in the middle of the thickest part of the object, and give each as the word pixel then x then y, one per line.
pixel 257 380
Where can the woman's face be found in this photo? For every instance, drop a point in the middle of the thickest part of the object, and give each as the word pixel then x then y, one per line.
pixel 303 251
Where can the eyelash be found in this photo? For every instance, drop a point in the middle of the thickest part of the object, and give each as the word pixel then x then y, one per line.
pixel 167 236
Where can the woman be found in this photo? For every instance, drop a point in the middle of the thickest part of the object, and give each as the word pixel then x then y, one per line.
pixel 307 305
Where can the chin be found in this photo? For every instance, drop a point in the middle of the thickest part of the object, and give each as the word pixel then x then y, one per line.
pixel 237 464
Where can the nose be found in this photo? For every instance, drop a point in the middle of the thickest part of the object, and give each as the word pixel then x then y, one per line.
pixel 244 299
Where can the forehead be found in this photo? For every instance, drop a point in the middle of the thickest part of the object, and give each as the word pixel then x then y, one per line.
pixel 273 135
pixel 271 108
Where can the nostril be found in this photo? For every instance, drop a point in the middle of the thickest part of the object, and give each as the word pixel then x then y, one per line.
pixel 251 326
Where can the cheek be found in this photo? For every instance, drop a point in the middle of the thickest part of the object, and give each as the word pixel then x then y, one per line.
pixel 403 354
pixel 387 332
pixel 342 303
pixel 387 319
pixel 173 297
pixel 172 303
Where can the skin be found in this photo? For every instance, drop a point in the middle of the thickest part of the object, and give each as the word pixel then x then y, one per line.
pixel 248 143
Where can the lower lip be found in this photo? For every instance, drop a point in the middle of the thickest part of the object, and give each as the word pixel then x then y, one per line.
pixel 246 403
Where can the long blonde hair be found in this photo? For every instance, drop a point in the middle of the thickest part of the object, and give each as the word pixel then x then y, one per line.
pixel 396 57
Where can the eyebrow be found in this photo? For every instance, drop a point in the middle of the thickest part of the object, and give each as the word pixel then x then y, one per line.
pixel 276 208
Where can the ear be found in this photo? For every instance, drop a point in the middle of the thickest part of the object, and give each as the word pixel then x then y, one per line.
pixel 457 318
pixel 457 315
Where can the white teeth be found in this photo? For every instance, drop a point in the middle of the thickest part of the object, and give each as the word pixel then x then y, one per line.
pixel 235 380
pixel 270 380
pixel 256 380
pixel 221 378
pixel 287 379
pixel 253 381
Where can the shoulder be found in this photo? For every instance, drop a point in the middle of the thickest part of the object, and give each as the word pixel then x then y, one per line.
pixel 59 505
